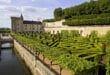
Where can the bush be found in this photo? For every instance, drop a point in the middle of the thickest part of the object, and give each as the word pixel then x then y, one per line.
pixel 107 37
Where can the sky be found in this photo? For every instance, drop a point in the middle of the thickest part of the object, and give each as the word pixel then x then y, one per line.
pixel 31 9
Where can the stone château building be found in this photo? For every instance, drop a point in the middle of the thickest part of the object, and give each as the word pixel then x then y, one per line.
pixel 20 25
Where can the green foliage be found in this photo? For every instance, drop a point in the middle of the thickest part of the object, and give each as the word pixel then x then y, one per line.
pixel 52 20
pixel 108 62
pixel 104 6
pixel 64 33
pixel 3 30
pixel 58 12
pixel 88 13
pixel 82 9
pixel 96 21
pixel 107 37
pixel 92 16
pixel 71 33
pixel 49 20
pixel 65 51
pixel 87 8
pixel 74 63
pixel 74 33
pixel 93 35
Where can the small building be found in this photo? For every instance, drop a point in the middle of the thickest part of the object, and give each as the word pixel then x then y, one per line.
pixel 21 26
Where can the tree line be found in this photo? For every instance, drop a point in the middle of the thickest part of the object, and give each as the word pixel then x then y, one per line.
pixel 94 7
pixel 2 30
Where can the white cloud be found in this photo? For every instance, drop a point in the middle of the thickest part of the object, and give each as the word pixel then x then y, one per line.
pixel 33 9
pixel 29 13
pixel 32 0
pixel 22 9
pixel 10 8
pixel 6 1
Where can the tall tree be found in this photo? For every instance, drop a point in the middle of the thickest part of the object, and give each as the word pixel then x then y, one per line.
pixel 58 13
pixel 104 6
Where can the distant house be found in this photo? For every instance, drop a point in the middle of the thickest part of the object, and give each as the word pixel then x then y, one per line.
pixel 21 25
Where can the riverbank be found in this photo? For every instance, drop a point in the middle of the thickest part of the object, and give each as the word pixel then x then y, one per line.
pixel 35 65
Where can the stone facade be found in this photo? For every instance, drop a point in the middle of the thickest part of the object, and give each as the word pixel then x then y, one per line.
pixel 20 25
pixel 54 27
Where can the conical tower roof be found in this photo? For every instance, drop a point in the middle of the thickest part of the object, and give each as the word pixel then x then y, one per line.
pixel 21 16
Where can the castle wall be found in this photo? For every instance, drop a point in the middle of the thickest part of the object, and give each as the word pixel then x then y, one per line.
pixel 54 27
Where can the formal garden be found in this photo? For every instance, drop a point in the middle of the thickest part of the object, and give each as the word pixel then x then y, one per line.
pixel 82 55
pixel 71 51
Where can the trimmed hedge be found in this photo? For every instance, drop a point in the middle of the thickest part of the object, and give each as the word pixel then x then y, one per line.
pixel 52 20
pixel 91 16
pixel 96 21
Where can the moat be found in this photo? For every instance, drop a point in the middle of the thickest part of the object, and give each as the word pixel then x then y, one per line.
pixel 11 63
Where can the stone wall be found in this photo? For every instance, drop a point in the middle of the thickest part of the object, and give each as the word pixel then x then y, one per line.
pixel 35 65
pixel 54 27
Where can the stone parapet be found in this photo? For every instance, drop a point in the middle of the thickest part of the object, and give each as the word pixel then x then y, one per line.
pixel 35 65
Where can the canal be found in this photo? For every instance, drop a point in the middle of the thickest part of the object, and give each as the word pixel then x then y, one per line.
pixel 11 63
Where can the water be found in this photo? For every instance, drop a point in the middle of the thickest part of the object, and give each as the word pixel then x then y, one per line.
pixel 11 63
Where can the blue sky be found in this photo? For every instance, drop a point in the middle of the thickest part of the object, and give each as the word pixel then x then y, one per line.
pixel 31 9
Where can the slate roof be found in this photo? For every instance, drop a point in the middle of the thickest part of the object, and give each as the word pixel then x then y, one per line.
pixel 31 22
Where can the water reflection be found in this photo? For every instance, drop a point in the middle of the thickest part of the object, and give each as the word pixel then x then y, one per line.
pixel 5 45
